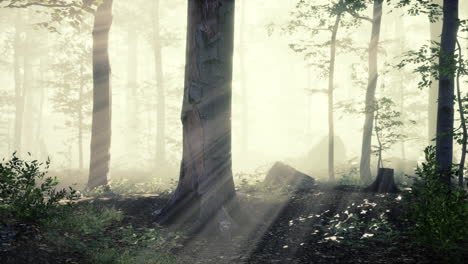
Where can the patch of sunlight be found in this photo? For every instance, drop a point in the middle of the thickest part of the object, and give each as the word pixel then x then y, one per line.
pixel 366 235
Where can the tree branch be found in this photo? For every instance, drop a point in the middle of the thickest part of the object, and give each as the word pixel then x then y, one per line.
pixel 57 5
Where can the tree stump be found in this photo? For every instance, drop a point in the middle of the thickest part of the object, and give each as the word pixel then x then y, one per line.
pixel 282 175
pixel 385 182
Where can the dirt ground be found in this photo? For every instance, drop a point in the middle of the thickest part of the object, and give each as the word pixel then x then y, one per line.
pixel 327 224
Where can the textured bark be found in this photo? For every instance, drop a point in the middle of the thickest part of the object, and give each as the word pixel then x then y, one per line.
pixel 436 31
pixel 445 108
pixel 101 118
pixel 384 183
pixel 206 184
pixel 160 90
pixel 364 169
pixel 19 97
pixel 331 86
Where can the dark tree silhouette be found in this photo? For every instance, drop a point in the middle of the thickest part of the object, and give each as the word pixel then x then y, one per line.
pixel 445 108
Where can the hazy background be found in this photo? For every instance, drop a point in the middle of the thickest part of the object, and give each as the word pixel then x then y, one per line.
pixel 285 121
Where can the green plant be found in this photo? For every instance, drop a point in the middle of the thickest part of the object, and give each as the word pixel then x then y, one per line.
pixel 25 190
pixel 99 234
pixel 439 214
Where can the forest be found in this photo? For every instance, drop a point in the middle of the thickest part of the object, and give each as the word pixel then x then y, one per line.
pixel 233 131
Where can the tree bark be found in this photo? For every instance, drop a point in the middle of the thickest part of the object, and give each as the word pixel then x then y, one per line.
pixel 365 171
pixel 331 86
pixel 445 108
pixel 206 184
pixel 102 103
pixel 436 31
pixel 160 91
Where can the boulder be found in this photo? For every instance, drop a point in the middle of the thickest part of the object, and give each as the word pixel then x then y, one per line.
pixel 282 175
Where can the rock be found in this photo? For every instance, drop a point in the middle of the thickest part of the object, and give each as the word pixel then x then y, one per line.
pixel 282 175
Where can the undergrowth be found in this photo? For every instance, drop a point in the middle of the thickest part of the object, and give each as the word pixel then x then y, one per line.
pixel 439 213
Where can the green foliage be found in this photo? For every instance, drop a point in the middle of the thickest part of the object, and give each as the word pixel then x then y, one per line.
pixel 99 233
pixel 426 63
pixel 440 214
pixel 387 126
pixel 25 190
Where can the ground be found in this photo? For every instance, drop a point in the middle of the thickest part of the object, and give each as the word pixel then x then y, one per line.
pixel 328 224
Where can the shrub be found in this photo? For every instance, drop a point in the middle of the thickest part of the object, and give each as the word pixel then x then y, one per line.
pixel 99 234
pixel 439 213
pixel 26 192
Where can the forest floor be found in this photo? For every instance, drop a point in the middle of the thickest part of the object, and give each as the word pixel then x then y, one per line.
pixel 328 224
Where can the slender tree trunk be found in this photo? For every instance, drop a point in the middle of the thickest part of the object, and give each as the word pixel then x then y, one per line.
pixel 132 113
pixel 160 91
pixel 243 83
pixel 461 166
pixel 28 90
pixel 80 118
pixel 365 171
pixel 206 184
pixel 401 47
pixel 436 31
pixel 445 109
pixel 102 102
pixel 19 97
pixel 331 86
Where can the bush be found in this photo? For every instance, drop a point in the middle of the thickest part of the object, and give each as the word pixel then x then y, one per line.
pixel 99 235
pixel 25 191
pixel 439 213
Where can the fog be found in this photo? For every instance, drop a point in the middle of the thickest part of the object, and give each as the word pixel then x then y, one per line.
pixel 283 120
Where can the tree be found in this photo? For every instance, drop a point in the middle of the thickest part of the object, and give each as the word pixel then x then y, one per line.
pixel 206 184
pixel 101 122
pixel 160 88
pixel 73 93
pixel 436 31
pixel 330 18
pixel 445 110
pixel 364 168
pixel 386 125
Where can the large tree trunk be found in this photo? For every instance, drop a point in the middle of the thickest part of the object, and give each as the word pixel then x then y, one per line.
pixel 436 31
pixel 160 92
pixel 331 80
pixel 365 171
pixel 19 98
pixel 445 112
pixel 206 184
pixel 101 123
